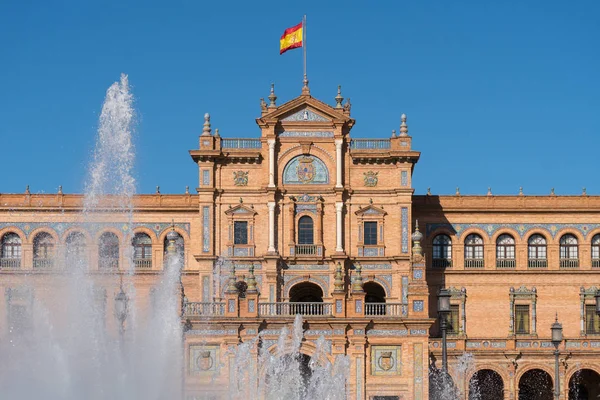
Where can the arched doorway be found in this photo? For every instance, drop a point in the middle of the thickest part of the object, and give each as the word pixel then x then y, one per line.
pixel 374 299
pixel 486 384
pixel 536 384
pixel 306 298
pixel 584 385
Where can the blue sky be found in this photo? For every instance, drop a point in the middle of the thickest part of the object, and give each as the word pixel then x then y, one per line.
pixel 498 93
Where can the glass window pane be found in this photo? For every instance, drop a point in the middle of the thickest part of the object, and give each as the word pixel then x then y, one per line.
pixel 522 319
pixel 305 230
pixel 240 232
pixel 370 233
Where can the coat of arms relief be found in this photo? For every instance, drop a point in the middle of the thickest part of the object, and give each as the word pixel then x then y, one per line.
pixel 240 178
pixel 371 178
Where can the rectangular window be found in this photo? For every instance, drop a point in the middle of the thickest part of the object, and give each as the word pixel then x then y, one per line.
pixel 370 233
pixel 592 321
pixel 453 326
pixel 522 319
pixel 240 232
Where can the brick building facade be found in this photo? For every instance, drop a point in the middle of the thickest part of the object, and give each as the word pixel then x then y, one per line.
pixel 307 220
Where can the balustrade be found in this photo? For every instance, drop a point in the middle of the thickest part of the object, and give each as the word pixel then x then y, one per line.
pixel 536 263
pixel 204 309
pixel 10 263
pixel 474 263
pixel 441 263
pixel 568 263
pixel 383 309
pixel 291 309
pixel 43 263
pixel 370 144
pixel 109 263
pixel 241 144
pixel 143 263
pixel 596 263
pixel 506 263
pixel 309 250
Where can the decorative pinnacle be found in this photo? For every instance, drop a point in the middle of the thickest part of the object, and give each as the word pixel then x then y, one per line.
pixel 158 190
pixel 338 284
pixel 206 128
pixel 393 133
pixel 403 126
pixel 552 192
pixel 521 191
pixel 251 281
pixel 272 97
pixel 457 191
pixel 231 288
pixel 357 285
pixel 584 192
pixel 60 189
pixel 489 193
pixel 428 191
pixel 217 133
pixel 339 99
pixel 241 200
pixel 187 190
pixel 305 89
pixel 416 238
pixel 27 190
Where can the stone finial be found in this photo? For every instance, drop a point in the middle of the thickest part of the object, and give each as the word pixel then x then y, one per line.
pixel 393 133
pixel 489 193
pixel 552 192
pixel 416 238
pixel 217 133
pixel 231 288
pixel 305 89
pixel 263 105
pixel 347 106
pixel 241 200
pixel 339 99
pixel 206 131
pixel 403 126
pixel 584 192
pixel 338 284
pixel 158 190
pixel 521 191
pixel 428 191
pixel 27 190
pixel 187 190
pixel 60 189
pixel 251 281
pixel 457 191
pixel 370 200
pixel 272 97
pixel 357 285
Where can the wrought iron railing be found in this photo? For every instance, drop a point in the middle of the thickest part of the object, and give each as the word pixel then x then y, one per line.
pixel 474 263
pixel 370 144
pixel 203 309
pixel 595 262
pixel 43 263
pixel 506 263
pixel 241 143
pixel 308 250
pixel 535 263
pixel 291 309
pixel 441 263
pixel 108 263
pixel 10 263
pixel 569 263
pixel 383 309
pixel 143 263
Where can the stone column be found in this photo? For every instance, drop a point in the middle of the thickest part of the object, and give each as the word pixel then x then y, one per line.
pixel 271 205
pixel 338 154
pixel 271 143
pixel 338 213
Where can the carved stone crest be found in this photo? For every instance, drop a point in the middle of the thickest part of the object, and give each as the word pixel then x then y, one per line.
pixel 306 170
pixel 240 178
pixel 371 178
pixel 204 360
pixel 385 360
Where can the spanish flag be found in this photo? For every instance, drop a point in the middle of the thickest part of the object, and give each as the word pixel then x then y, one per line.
pixel 291 38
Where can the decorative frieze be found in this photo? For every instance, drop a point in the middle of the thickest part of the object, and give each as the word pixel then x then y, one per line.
pixel 522 229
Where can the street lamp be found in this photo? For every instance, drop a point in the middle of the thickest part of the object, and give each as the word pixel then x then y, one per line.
pixel 121 309
pixel 557 337
pixel 443 311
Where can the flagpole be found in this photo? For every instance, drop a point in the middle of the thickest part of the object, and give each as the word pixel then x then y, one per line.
pixel 304 48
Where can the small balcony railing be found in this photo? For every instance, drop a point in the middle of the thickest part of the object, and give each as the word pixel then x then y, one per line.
pixel 204 309
pixel 569 263
pixel 10 263
pixel 291 309
pixel 596 263
pixel 143 263
pixel 43 263
pixel 383 309
pixel 506 263
pixel 241 144
pixel 537 263
pixel 370 144
pixel 474 263
pixel 308 250
pixel 108 263
pixel 441 263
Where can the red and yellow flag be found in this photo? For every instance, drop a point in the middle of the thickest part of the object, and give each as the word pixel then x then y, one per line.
pixel 291 38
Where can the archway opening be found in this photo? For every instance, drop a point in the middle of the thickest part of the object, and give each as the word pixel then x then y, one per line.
pixel 486 384
pixel 306 298
pixel 535 384
pixel 584 385
pixel 374 299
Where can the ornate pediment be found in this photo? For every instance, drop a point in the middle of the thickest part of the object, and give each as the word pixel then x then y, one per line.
pixel 241 210
pixel 305 114
pixel 371 210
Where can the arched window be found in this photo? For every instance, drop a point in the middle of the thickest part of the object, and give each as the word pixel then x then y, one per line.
pixel 179 246
pixel 76 250
pixel 596 251
pixel 306 230
pixel 473 251
pixel 442 251
pixel 10 253
pixel 536 250
pixel 307 299
pixel 108 251
pixel 374 299
pixel 505 251
pixel 142 250
pixel 43 250
pixel 569 251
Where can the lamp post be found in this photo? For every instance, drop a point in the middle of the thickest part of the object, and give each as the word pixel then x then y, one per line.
pixel 443 311
pixel 557 337
pixel 121 309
